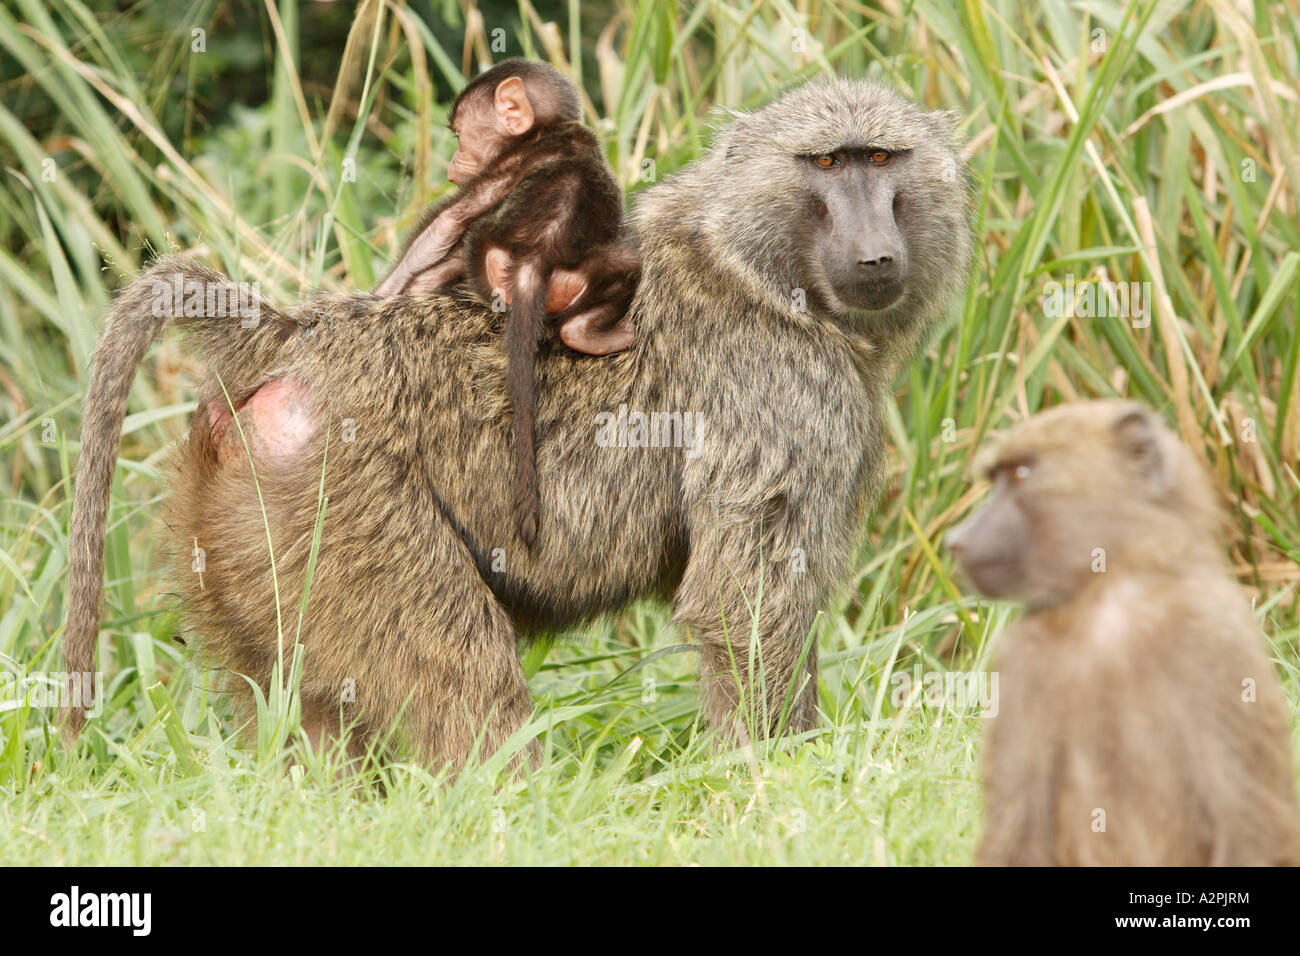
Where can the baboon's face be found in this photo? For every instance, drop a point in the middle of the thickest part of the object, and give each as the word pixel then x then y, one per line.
pixel 479 142
pixel 992 547
pixel 841 197
pixel 853 197
pixel 1079 491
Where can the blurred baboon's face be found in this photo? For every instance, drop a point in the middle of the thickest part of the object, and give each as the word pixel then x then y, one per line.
pixel 1029 542
pixel 1075 492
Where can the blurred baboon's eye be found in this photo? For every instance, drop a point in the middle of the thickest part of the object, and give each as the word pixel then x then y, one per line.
pixel 827 160
pixel 878 157
pixel 1010 474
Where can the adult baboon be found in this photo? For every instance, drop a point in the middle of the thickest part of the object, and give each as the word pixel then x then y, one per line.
pixel 786 276
pixel 1140 721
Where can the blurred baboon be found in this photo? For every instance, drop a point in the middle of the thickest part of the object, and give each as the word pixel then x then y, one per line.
pixel 1139 721
pixel 786 276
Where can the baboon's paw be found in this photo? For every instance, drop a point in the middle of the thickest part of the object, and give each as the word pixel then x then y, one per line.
pixel 563 290
pixel 592 333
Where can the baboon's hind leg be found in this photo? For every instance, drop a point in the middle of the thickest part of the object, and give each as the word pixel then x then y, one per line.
pixel 458 675
pixel 430 643
pixel 399 623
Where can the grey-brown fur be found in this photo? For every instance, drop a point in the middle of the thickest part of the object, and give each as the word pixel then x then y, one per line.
pixel 406 600
pixel 132 325
pixel 1121 690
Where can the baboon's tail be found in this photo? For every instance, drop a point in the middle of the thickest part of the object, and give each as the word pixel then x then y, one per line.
pixel 165 293
pixel 527 310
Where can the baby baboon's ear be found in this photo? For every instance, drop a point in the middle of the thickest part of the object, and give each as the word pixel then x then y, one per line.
pixel 1137 436
pixel 513 108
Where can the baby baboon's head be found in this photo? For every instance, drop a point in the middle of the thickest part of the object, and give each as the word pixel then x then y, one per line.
pixel 1090 488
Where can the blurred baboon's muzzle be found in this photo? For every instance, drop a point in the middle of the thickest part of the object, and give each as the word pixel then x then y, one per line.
pixel 988 548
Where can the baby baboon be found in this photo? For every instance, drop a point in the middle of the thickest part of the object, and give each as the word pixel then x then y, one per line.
pixel 786 275
pixel 1140 721
pixel 538 198
pixel 517 126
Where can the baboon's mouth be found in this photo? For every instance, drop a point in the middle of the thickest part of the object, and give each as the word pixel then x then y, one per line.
pixel 996 578
pixel 872 295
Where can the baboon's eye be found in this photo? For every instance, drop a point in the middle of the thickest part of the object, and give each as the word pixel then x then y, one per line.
pixel 1013 473
pixel 878 157
pixel 826 160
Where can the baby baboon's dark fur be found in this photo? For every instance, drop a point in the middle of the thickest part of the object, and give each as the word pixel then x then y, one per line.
pixel 542 195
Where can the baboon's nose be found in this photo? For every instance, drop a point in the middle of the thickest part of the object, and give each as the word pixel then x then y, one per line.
pixel 876 258
pixel 954 540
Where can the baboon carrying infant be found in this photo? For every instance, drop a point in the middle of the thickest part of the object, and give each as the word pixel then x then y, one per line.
pixel 1139 722
pixel 786 276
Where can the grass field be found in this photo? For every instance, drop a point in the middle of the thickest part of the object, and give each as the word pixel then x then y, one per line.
pixel 1150 142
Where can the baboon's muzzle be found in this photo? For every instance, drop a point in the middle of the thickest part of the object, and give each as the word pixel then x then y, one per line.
pixel 867 258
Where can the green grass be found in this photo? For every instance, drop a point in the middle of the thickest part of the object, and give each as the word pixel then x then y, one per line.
pixel 1084 148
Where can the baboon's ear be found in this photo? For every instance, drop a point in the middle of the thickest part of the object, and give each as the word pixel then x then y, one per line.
pixel 1137 436
pixel 724 129
pixel 722 144
pixel 946 128
pixel 513 108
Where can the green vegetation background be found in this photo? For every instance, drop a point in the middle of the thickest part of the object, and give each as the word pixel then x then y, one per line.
pixel 1148 142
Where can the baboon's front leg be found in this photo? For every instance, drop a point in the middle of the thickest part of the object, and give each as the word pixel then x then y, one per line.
pixel 749 598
